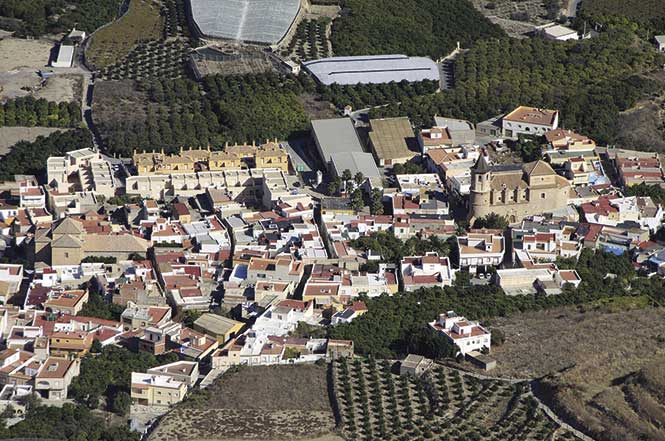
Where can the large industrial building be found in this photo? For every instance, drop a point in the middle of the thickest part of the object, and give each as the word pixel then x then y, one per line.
pixel 373 69
pixel 249 21
pixel 335 135
pixel 338 144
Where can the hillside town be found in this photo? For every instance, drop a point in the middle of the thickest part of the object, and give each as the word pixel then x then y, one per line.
pixel 236 239
pixel 332 220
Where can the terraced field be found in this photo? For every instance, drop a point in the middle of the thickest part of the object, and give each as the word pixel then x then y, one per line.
pixel 375 403
pixel 109 45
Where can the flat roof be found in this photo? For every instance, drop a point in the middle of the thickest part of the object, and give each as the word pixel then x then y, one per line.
pixel 453 124
pixel 355 162
pixel 391 137
pixel 216 323
pixel 373 69
pixel 258 21
pixel 336 135
pixel 65 54
pixel 559 31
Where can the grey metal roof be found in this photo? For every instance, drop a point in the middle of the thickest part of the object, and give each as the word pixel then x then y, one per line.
pixel 336 135
pixel 373 69
pixel 355 162
pixel 257 21
pixel 452 123
pixel 660 39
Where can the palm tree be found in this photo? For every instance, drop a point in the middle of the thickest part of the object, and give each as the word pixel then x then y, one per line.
pixel 359 178
pixel 346 177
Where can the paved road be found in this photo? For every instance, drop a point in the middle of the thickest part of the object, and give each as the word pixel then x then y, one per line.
pixel 573 6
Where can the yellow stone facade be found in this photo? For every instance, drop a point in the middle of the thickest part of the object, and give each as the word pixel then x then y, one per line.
pixel 268 155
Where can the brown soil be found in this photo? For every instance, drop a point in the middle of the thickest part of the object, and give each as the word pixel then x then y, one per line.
pixel 259 403
pixel 590 361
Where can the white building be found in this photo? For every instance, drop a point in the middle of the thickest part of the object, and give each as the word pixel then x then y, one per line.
pixel 54 377
pixel 529 121
pixel 32 196
pixel 536 277
pixel 425 271
pixel 65 56
pixel 87 166
pixel 413 184
pixel 11 276
pixel 660 42
pixel 560 33
pixel 480 249
pixel 467 335
pixel 610 211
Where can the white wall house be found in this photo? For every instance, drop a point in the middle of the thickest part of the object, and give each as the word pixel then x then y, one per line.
pixel 529 121
pixel 467 335
pixel 480 249
pixel 425 271
pixel 65 56
pixel 660 42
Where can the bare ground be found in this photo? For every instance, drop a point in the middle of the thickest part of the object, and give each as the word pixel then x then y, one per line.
pixel 11 135
pixel 20 60
pixel 589 361
pixel 258 403
pixel 17 54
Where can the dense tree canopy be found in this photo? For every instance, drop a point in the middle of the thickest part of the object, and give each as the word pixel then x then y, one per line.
pixel 109 373
pixel 392 249
pixel 30 157
pixel 653 191
pixel 412 27
pixel 222 109
pixel 70 422
pixel 648 15
pixel 589 81
pixel 492 221
pixel 30 112
pixel 38 17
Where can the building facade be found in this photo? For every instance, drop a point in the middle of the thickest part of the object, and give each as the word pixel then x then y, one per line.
pixel 516 191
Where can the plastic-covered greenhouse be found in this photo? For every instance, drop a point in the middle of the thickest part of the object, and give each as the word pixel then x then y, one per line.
pixel 253 21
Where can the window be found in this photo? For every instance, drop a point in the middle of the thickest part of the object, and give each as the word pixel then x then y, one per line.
pixel 542 195
pixel 66 255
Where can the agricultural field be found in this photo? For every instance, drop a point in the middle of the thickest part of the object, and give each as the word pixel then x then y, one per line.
pixel 310 41
pixel 375 403
pixel 109 45
pixel 259 403
pixel 161 56
pixel 591 372
pixel 152 59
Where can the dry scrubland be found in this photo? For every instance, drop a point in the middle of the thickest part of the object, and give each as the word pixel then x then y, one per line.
pixel 23 54
pixel 602 371
pixel 509 9
pixel 19 62
pixel 11 135
pixel 142 22
pixel 259 403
